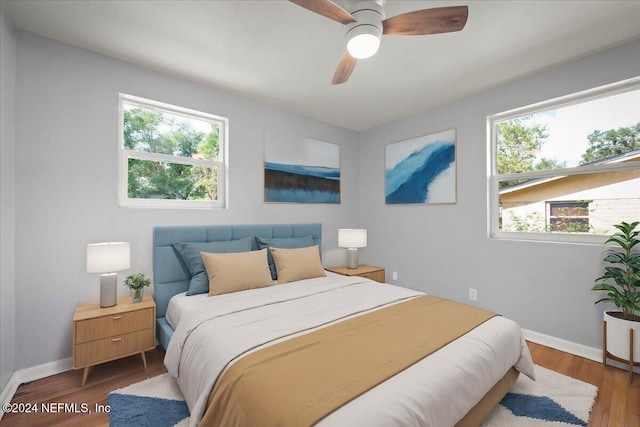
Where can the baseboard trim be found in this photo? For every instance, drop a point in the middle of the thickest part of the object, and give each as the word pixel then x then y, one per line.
pixel 9 390
pixel 31 374
pixel 45 370
pixel 576 349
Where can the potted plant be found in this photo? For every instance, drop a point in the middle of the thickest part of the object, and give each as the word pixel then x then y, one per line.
pixel 136 283
pixel 621 281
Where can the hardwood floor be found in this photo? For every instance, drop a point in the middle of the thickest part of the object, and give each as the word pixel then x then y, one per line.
pixel 617 404
pixel 65 388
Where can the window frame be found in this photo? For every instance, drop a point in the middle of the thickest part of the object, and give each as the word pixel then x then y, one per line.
pixel 125 154
pixel 493 178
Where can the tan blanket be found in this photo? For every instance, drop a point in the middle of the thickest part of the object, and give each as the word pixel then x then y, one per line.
pixel 299 381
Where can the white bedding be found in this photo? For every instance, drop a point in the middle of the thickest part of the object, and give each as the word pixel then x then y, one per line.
pixel 211 332
pixel 181 304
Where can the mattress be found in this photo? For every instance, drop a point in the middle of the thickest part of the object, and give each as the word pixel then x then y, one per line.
pixel 180 305
pixel 212 332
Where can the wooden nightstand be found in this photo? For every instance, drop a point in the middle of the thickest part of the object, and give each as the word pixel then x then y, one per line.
pixel 368 271
pixel 104 334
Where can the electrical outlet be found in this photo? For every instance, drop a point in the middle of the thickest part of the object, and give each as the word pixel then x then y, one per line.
pixel 473 294
pixel 395 275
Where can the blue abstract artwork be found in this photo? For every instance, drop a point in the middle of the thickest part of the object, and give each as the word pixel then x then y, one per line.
pixel 421 170
pixel 308 172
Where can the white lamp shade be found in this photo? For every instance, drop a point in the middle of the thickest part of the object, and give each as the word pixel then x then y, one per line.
pixel 352 238
pixel 108 257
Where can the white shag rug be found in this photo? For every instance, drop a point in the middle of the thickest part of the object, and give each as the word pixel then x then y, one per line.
pixel 552 400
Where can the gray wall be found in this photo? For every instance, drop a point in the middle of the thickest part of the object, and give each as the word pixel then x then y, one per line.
pixel 444 249
pixel 65 195
pixel 7 196
pixel 66 180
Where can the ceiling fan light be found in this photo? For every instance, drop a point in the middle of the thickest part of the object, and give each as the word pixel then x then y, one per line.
pixel 363 46
pixel 363 41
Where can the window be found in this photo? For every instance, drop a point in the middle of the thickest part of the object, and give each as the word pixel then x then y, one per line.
pixel 566 169
pixel 568 217
pixel 171 156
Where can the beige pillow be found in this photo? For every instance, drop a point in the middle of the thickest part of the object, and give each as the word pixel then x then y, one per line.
pixel 297 264
pixel 232 272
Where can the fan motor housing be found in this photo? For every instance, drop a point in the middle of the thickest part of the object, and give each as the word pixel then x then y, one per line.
pixel 369 16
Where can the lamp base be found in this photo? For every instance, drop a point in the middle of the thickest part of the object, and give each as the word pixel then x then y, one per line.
pixel 108 290
pixel 352 258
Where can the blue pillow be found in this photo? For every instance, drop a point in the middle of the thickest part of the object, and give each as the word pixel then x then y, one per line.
pixel 282 242
pixel 190 253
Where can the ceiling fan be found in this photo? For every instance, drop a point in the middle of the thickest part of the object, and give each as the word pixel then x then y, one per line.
pixel 366 24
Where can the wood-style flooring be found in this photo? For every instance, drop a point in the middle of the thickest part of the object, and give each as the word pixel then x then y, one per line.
pixel 617 404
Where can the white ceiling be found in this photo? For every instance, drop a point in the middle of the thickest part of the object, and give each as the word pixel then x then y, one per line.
pixel 284 55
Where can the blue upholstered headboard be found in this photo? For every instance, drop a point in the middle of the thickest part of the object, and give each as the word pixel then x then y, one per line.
pixel 171 276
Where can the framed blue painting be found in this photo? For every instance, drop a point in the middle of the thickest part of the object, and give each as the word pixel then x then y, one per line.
pixel 308 172
pixel 421 170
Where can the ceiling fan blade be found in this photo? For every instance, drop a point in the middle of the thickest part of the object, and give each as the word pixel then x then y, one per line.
pixel 344 69
pixel 326 8
pixel 427 21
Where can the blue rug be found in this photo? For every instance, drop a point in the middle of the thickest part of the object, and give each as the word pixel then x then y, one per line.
pixel 552 400
pixel 156 402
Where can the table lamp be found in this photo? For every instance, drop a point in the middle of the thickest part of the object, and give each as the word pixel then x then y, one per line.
pixel 107 258
pixel 352 239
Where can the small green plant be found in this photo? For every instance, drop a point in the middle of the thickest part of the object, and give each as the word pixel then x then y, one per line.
pixel 137 281
pixel 621 280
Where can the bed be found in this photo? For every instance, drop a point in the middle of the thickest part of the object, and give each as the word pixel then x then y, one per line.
pixel 206 337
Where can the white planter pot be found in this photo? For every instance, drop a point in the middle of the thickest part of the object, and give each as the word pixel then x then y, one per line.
pixel 618 337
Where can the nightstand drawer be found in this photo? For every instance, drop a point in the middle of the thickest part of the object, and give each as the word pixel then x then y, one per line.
pixel 112 325
pixel 113 347
pixel 378 276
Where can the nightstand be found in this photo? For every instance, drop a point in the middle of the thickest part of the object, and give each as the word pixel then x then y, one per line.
pixel 368 271
pixel 104 334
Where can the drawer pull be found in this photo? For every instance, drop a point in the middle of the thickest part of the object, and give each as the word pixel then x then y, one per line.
pixel 116 339
pixel 117 317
